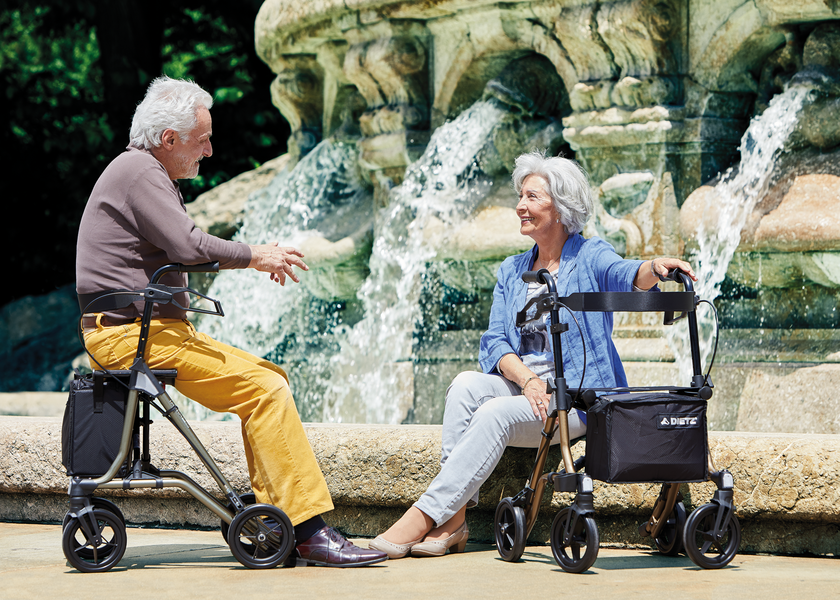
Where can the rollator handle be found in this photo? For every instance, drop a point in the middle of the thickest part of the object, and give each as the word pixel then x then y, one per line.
pixel 541 276
pixel 680 277
pixel 210 267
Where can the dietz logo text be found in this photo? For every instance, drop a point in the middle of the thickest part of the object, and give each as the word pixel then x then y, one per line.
pixel 677 421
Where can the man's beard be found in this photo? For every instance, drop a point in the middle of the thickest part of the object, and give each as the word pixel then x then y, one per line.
pixel 188 166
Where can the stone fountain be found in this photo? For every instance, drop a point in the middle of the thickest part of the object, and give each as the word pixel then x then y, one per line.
pixel 653 97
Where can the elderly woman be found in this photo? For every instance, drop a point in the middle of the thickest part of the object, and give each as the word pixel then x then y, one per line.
pixel 507 404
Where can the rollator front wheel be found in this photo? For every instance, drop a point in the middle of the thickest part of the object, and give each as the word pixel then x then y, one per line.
pixel 510 530
pixel 261 536
pixel 670 539
pixel 574 542
pixel 702 546
pixel 95 545
pixel 102 503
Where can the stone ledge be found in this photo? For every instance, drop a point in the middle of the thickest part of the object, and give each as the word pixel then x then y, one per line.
pixel 787 486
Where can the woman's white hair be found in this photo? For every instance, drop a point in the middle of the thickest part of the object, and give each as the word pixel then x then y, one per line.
pixel 568 186
pixel 168 104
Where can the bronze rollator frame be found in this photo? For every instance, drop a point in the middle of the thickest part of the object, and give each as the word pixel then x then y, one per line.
pixel 260 536
pixel 713 527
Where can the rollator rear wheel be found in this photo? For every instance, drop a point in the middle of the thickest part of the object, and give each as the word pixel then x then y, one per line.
pixel 98 550
pixel 578 552
pixel 700 543
pixel 670 539
pixel 261 536
pixel 247 499
pixel 510 530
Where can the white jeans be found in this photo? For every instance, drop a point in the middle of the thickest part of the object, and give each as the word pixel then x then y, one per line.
pixel 484 414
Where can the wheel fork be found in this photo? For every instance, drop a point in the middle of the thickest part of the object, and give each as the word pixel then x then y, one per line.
pixel 582 505
pixel 81 509
pixel 723 498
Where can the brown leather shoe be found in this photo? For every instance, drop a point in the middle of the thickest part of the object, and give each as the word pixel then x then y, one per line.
pixel 328 548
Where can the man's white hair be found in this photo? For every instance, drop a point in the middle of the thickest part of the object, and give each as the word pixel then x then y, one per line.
pixel 168 104
pixel 568 186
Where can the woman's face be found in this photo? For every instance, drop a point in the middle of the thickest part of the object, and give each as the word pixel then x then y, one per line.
pixel 537 215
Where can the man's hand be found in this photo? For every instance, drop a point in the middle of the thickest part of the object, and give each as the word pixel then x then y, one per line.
pixel 278 261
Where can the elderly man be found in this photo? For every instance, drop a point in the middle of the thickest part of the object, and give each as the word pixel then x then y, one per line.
pixel 135 222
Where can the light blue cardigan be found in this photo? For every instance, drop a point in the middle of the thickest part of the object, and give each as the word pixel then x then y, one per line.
pixel 585 266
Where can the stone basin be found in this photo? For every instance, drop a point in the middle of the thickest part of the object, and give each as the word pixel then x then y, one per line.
pixel 787 487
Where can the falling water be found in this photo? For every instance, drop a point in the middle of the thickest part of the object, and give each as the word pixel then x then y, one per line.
pixel 322 188
pixel 729 206
pixel 373 372
pixel 366 372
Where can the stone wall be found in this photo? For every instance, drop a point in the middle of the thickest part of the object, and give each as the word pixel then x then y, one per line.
pixel 787 487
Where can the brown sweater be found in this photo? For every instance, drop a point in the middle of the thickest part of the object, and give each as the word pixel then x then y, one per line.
pixel 136 221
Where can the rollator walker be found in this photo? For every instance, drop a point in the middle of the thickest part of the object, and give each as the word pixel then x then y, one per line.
pixel 93 534
pixel 634 435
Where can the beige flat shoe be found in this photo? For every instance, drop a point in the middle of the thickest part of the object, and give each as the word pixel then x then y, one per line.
pixel 454 543
pixel 391 549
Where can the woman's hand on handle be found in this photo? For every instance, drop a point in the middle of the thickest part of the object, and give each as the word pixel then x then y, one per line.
pixel 534 391
pixel 278 261
pixel 649 272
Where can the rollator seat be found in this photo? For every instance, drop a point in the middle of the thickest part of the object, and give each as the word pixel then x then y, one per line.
pixel 165 376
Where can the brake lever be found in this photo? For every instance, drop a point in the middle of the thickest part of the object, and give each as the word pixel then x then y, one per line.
pixel 162 294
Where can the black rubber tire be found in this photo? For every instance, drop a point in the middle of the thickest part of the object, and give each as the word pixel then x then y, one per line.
pixel 102 503
pixel 510 530
pixel 700 543
pixel 585 536
pixel 247 499
pixel 261 536
pixel 88 555
pixel 670 539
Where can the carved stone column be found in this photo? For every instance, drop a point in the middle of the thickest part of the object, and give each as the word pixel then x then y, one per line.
pixel 634 110
pixel 391 74
pixel 298 93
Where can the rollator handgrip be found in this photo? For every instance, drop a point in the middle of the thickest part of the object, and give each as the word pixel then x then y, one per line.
pixel 679 276
pixel 671 276
pixel 210 267
pixel 540 276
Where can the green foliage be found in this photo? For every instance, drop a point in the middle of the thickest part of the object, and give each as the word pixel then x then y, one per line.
pixel 70 79
pixel 55 135
pixel 245 132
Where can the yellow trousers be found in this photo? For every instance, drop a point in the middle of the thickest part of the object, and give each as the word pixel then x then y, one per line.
pixel 281 464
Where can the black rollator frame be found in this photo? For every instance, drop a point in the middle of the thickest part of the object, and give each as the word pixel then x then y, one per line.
pixel 93 534
pixel 710 536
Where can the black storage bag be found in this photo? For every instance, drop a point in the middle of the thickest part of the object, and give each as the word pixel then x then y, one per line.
pixel 93 424
pixel 647 438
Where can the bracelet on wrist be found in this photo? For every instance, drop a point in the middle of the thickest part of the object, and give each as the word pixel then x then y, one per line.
pixel 652 271
pixel 527 381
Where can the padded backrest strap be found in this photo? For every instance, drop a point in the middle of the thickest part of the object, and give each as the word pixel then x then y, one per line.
pixel 667 302
pixel 107 300
pixel 630 301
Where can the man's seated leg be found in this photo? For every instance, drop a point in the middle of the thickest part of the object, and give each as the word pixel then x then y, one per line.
pixel 282 467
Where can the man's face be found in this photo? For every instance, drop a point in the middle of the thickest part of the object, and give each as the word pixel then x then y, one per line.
pixel 187 154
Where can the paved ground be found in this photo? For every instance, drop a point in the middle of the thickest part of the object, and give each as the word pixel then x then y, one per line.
pixel 182 564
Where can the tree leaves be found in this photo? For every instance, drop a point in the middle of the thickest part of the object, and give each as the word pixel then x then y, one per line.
pixel 72 73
